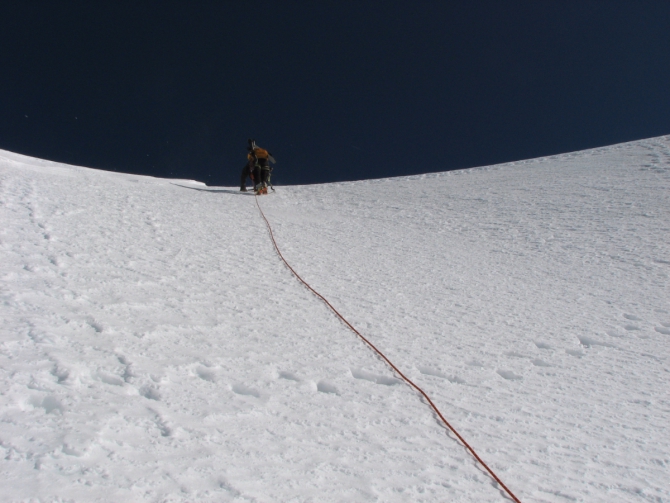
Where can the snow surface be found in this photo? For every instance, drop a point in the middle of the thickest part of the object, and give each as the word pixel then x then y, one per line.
pixel 154 348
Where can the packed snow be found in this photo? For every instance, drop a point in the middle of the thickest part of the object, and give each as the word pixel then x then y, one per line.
pixel 154 348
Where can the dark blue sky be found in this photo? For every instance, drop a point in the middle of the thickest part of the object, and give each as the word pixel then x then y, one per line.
pixel 336 90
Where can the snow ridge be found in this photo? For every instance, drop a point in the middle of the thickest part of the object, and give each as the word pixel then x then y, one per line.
pixel 153 349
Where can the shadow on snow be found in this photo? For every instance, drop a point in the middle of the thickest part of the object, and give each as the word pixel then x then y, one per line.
pixel 227 191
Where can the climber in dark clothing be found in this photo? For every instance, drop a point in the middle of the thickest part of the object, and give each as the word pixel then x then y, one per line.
pixel 258 168
pixel 247 172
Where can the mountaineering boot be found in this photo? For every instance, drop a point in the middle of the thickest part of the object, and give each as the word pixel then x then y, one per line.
pixel 243 189
pixel 262 188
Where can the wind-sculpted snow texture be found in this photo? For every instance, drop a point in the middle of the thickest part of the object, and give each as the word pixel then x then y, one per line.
pixel 154 348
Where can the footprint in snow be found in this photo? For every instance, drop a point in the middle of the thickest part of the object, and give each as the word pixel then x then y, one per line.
pixel 542 345
pixel 436 373
pixel 431 372
pixel 664 329
pixel 540 363
pixel 241 389
pixel 206 374
pixel 127 371
pixel 632 326
pixel 150 392
pixel 588 342
pixel 375 378
pixel 289 376
pixel 91 322
pixel 161 424
pixel 110 378
pixel 509 375
pixel 49 403
pixel 326 387
pixel 60 373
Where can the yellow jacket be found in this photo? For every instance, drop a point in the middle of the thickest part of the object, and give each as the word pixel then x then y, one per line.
pixel 258 153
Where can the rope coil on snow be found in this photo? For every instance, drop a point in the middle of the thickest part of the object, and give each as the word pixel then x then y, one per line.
pixel 406 379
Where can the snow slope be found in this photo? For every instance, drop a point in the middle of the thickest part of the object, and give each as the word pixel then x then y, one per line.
pixel 154 348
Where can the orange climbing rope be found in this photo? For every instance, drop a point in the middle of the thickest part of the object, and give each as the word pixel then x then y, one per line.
pixel 406 379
